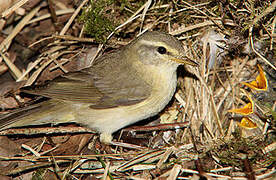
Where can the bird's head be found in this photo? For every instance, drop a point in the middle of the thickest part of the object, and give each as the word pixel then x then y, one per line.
pixel 157 48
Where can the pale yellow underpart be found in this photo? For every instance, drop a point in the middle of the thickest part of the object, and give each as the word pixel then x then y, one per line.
pixel 107 121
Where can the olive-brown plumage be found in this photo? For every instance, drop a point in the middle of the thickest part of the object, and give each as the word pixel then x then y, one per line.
pixel 120 88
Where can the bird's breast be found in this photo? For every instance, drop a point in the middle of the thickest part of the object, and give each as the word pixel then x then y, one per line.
pixel 163 85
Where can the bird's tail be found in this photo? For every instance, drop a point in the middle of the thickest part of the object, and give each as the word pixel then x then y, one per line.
pixel 53 112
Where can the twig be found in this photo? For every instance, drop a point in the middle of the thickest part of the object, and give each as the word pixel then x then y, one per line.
pixel 174 172
pixel 6 43
pixel 48 130
pixel 158 127
pixel 13 8
pixel 65 28
pixel 45 16
pixel 72 38
pixel 52 11
pixel 14 70
pixel 146 8
pixel 254 50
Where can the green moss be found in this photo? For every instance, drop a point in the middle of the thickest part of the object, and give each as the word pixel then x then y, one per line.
pixel 102 16
pixel 95 19
pixel 39 174
pixel 123 4
pixel 229 153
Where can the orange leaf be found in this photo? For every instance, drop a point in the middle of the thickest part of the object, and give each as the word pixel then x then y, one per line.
pixel 247 123
pixel 260 84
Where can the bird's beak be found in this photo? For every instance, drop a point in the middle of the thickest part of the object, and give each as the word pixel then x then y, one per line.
pixel 184 60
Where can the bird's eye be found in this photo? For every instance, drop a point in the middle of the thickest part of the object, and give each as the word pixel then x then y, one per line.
pixel 162 50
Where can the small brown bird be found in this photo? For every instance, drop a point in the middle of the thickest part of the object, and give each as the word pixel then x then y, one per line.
pixel 120 88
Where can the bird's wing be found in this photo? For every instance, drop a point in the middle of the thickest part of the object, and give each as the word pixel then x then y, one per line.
pixel 69 88
pixel 102 86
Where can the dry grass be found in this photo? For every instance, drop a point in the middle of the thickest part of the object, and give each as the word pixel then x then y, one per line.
pixel 202 138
